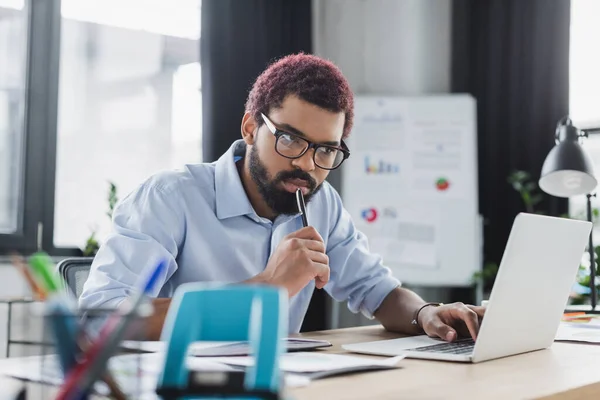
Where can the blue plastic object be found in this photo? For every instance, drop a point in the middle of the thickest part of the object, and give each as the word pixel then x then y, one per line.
pixel 205 312
pixel 64 328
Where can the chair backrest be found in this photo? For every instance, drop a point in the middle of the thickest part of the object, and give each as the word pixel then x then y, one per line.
pixel 207 312
pixel 75 272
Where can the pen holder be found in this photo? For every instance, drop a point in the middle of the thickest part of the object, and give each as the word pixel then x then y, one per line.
pixel 70 335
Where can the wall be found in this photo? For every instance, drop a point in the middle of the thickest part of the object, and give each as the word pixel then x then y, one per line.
pixel 25 325
pixel 386 47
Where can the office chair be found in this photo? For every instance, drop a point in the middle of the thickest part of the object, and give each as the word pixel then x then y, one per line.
pixel 75 272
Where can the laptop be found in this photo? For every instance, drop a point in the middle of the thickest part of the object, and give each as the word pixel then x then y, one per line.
pixel 537 271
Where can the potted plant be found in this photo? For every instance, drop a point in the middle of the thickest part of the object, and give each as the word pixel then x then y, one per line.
pixel 522 182
pixel 91 245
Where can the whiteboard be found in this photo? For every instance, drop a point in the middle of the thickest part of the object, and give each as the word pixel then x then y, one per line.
pixel 410 185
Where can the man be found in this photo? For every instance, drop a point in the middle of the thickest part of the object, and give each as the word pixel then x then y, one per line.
pixel 236 220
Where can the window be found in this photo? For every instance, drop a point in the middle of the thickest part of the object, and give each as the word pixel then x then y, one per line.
pixel 91 92
pixel 585 84
pixel 128 104
pixel 13 45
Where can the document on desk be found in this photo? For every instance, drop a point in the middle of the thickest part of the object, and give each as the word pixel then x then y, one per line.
pixel 578 332
pixel 136 374
pixel 219 349
pixel 314 365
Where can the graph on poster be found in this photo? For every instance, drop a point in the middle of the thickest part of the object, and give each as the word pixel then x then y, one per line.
pixel 411 185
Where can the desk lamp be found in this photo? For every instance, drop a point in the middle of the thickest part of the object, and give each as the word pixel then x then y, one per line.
pixel 569 171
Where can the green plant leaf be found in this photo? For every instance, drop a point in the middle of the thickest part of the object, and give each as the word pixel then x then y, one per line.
pixel 91 246
pixel 517 186
pixel 536 199
pixel 518 176
pixel 486 275
pixel 112 199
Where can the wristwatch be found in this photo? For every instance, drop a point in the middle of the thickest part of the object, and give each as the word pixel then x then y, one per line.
pixel 415 320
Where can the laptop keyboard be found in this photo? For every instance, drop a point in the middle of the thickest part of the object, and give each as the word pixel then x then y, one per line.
pixel 461 346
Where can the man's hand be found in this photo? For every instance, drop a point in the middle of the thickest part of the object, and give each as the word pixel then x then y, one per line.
pixel 449 321
pixel 299 258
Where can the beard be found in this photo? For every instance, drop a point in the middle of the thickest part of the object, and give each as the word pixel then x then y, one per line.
pixel 279 200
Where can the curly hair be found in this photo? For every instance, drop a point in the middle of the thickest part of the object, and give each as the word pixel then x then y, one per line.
pixel 312 79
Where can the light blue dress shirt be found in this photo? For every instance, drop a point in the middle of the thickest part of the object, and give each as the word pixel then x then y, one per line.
pixel 201 221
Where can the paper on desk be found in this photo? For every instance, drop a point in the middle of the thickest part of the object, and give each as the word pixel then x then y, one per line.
pixel 218 349
pixel 578 333
pixel 136 374
pixel 124 368
pixel 309 362
pixel 160 346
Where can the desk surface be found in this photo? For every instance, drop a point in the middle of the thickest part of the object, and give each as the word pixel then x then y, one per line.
pixel 564 371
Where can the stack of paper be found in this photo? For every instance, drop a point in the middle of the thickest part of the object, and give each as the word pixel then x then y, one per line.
pixel 578 332
pixel 218 349
pixel 137 374
pixel 312 365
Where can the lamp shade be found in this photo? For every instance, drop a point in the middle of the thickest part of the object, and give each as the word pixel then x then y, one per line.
pixel 568 170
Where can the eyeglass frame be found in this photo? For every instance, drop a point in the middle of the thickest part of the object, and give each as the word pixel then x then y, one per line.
pixel 278 132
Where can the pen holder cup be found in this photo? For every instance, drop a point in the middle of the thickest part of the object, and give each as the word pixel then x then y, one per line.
pixel 71 334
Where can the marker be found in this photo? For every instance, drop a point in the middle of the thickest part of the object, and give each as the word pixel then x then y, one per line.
pixel 301 207
pixel 38 292
pixel 42 267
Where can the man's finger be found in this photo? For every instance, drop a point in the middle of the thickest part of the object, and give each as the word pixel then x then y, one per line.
pixel 318 257
pixel 313 245
pixel 321 275
pixel 480 311
pixel 470 318
pixel 308 232
pixel 441 330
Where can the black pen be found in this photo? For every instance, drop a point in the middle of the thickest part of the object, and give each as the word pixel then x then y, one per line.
pixel 301 207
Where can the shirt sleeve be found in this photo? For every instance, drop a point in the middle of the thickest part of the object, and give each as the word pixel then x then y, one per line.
pixel 147 229
pixel 357 275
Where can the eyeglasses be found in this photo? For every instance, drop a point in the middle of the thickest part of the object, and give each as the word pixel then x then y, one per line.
pixel 291 145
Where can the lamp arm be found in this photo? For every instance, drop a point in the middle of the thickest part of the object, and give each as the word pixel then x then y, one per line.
pixel 593 292
pixel 591 131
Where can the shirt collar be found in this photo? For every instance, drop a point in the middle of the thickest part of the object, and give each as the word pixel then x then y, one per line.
pixel 232 200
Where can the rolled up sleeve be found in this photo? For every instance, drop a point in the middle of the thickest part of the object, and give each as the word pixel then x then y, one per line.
pixel 357 275
pixel 147 228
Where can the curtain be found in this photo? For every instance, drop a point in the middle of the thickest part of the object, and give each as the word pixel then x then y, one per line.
pixel 513 57
pixel 239 38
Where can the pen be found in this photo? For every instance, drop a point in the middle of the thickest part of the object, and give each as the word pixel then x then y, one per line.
pixel 68 344
pixel 38 292
pixel 85 374
pixel 301 207
pixel 84 343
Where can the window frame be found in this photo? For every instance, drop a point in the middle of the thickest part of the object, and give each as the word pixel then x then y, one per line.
pixel 38 166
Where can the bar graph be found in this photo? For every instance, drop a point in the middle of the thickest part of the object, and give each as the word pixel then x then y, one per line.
pixel 380 167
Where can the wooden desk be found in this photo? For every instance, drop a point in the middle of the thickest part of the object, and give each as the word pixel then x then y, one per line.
pixel 565 371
